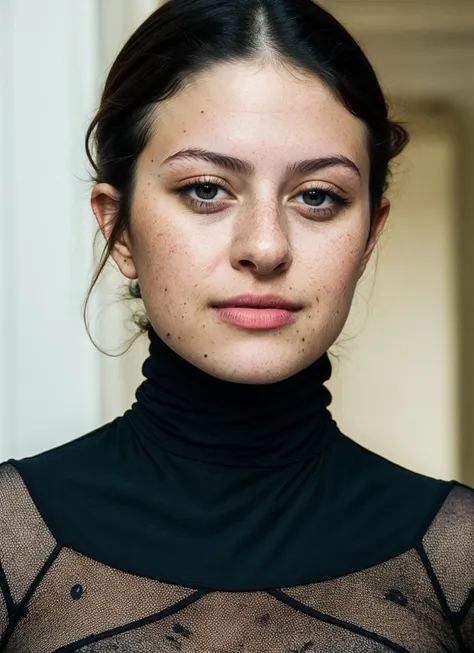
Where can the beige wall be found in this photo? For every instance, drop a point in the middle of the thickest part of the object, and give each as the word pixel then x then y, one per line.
pixel 395 372
pixel 423 51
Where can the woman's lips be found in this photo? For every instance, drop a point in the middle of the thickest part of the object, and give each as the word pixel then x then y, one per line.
pixel 247 317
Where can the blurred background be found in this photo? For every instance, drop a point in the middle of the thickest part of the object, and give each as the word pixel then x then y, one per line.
pixel 403 381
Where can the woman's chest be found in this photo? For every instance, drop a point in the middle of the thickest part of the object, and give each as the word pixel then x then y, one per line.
pixel 83 606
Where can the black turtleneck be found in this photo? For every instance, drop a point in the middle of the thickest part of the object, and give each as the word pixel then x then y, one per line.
pixel 211 484
pixel 192 414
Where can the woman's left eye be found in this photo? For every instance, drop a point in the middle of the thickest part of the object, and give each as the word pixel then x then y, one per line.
pixel 318 198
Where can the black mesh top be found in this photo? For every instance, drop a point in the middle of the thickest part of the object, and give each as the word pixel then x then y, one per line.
pixel 218 518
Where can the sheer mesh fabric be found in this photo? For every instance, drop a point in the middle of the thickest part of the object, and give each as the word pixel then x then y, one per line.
pixel 238 623
pixel 55 599
pixel 25 543
pixel 449 546
pixel 395 600
pixel 3 614
pixel 90 598
pixel 467 627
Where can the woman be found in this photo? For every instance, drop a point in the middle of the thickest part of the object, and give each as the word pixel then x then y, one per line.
pixel 241 152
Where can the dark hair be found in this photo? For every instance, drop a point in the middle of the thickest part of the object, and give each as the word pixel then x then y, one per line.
pixel 185 37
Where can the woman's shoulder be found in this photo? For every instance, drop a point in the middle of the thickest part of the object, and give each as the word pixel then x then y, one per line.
pixel 22 528
pixel 404 500
pixel 18 513
pixel 24 482
pixel 359 462
pixel 64 464
pixel 76 449
pixel 455 517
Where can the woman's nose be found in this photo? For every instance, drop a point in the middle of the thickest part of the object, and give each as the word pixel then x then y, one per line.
pixel 261 242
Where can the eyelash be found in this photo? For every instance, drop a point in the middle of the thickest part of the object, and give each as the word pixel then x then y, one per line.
pixel 209 206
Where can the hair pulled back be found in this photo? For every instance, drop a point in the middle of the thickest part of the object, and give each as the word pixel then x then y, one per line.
pixel 184 38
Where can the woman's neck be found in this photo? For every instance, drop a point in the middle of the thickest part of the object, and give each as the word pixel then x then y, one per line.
pixel 198 416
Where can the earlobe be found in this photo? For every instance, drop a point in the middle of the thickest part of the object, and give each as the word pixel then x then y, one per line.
pixel 105 203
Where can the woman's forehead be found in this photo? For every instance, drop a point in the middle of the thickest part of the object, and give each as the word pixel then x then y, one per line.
pixel 258 113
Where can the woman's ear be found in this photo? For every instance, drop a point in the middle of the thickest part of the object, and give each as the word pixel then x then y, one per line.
pixel 105 200
pixel 378 225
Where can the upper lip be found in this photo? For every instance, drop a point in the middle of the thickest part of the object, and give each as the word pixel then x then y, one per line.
pixel 259 301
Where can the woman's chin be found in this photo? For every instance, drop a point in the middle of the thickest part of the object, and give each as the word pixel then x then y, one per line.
pixel 256 366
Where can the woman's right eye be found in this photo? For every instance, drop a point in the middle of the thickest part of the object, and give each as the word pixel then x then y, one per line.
pixel 203 191
pixel 205 196
pixel 206 191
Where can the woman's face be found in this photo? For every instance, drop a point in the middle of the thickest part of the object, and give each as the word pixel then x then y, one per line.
pixel 254 181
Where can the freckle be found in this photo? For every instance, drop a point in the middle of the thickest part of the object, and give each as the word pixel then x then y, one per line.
pixel 168 335
pixel 302 339
pixel 202 111
pixel 205 355
pixel 166 289
pixel 179 337
pixel 153 160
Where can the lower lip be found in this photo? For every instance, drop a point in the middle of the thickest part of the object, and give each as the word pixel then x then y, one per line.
pixel 256 318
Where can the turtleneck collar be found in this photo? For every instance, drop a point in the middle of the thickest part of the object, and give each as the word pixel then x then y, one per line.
pixel 195 415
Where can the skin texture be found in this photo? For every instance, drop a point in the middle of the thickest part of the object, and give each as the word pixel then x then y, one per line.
pixel 259 233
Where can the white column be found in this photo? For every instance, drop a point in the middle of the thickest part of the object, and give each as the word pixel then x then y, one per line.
pixel 110 319
pixel 50 373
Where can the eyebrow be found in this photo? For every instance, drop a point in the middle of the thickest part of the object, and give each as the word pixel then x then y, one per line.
pixel 246 168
